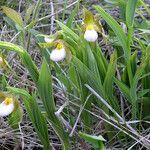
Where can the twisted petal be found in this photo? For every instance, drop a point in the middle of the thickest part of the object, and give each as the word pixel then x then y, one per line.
pixel 48 40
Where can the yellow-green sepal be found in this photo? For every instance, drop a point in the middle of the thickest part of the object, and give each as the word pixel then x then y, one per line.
pixel 45 45
pixel 88 17
pixel 97 24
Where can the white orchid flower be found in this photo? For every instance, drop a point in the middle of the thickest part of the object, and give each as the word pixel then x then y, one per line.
pixel 59 53
pixel 6 107
pixel 90 34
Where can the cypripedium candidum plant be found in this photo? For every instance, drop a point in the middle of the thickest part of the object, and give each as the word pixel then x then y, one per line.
pixel 91 26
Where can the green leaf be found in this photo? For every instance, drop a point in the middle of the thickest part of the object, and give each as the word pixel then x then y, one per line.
pixel 124 89
pixel 3 83
pixel 116 1
pixel 72 15
pixel 69 32
pixel 30 65
pixel 11 23
pixel 74 77
pixel 92 64
pixel 148 47
pixel 16 118
pixel 19 91
pixel 38 120
pixel 109 80
pixel 138 74
pixel 133 89
pixel 11 47
pixel 130 10
pixel 88 77
pixel 13 15
pixel 145 109
pixel 142 93
pixel 28 13
pixel 101 61
pixel 82 93
pixel 133 60
pixel 116 28
pixel 45 90
pixel 96 141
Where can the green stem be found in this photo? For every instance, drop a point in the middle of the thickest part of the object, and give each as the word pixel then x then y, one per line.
pixel 65 4
pixel 129 42
pixel 33 18
pixel 129 70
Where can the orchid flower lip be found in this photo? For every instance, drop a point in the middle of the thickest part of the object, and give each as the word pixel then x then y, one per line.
pixel 90 34
pixel 6 107
pixel 59 53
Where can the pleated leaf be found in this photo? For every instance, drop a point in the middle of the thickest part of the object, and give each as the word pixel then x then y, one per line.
pixel 109 81
pixel 13 15
pixel 130 10
pixel 96 141
pixel 116 28
pixel 38 120
pixel 45 90
pixel 30 65
pixel 124 89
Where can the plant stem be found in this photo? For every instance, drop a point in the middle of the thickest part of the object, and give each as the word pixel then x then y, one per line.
pixel 33 18
pixel 129 41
